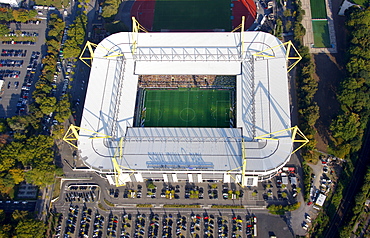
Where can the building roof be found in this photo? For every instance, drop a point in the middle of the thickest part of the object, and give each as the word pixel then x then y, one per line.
pixel 262 98
pixel 320 200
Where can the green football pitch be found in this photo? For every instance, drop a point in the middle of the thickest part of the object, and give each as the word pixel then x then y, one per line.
pixel 321 34
pixel 318 9
pixel 192 15
pixel 187 108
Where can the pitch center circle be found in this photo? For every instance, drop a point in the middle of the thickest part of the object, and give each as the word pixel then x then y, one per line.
pixel 187 114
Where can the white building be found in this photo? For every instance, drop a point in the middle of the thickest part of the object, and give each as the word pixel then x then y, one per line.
pixel 262 107
pixel 12 3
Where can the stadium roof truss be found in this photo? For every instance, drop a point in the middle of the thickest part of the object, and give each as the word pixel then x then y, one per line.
pixel 259 61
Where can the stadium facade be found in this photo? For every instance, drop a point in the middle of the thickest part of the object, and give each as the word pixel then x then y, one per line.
pixel 195 154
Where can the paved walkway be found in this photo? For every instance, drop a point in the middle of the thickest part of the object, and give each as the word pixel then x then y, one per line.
pixel 308 39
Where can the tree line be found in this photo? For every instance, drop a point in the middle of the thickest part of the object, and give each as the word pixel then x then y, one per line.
pixel 76 37
pixel 349 127
pixel 19 15
pixel 20 224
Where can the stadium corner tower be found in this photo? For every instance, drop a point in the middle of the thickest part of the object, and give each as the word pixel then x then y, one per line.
pixel 162 126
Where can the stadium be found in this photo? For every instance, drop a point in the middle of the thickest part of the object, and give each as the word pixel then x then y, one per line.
pixel 195 107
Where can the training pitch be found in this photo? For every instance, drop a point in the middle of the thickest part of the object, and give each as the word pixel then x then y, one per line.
pixel 321 34
pixel 187 107
pixel 318 9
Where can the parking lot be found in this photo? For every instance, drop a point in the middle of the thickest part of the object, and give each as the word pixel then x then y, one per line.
pixel 82 220
pixel 20 63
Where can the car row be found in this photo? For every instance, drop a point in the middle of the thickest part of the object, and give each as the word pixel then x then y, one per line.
pixel 16 84
pixel 85 222
pixel 112 226
pixel 167 223
pixel 126 226
pixel 98 225
pixel 80 197
pixel 13 53
pixel 8 73
pixel 11 63
pixel 28 79
pixel 70 227
pixel 14 202
pixel 12 42
pixel 23 34
pixel 139 225
pixel 58 227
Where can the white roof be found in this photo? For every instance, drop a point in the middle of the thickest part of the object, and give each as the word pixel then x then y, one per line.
pixel 12 3
pixel 320 200
pixel 262 98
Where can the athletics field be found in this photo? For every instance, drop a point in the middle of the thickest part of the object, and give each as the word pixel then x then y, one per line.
pixel 187 107
pixel 193 15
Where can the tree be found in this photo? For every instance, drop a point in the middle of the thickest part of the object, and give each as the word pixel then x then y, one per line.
pixel 46 104
pixel 110 8
pixel 4 30
pixel 58 132
pixel 17 175
pixel 5 231
pixel 19 215
pixel 6 183
pixel 30 229
pixel 17 123
pixel 151 185
pixel 3 140
pixel 2 216
pixel 6 14
pixel 53 46
pixel 287 13
pixel 345 127
pixel 23 15
pixel 37 151
pixel 62 110
pixel 41 176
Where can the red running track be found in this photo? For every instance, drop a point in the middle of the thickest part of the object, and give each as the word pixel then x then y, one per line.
pixel 143 11
pixel 245 8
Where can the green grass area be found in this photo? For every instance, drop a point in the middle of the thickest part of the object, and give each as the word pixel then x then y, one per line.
pixel 321 34
pixel 360 2
pixel 56 191
pixel 56 3
pixel 318 9
pixel 187 108
pixel 192 15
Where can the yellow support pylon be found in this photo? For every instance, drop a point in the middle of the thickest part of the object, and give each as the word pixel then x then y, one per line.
pixel 117 167
pixel 241 27
pixel 289 46
pixel 294 130
pixel 91 46
pixel 244 167
pixel 136 27
pixel 72 134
